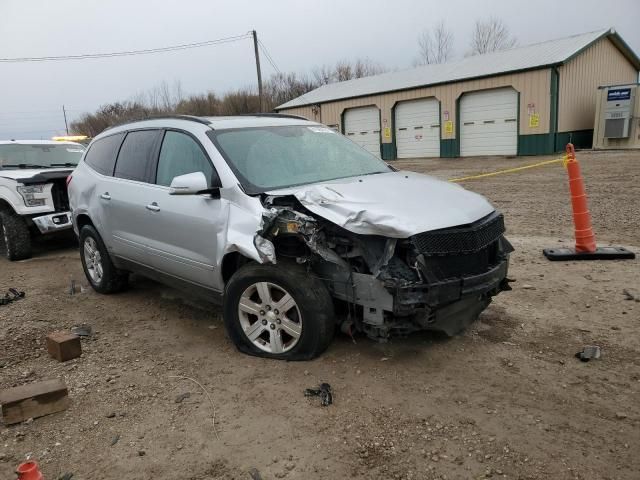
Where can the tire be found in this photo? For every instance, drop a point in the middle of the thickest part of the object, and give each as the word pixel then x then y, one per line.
pixel 16 236
pixel 273 332
pixel 103 276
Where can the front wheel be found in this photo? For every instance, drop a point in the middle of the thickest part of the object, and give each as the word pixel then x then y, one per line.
pixel 16 236
pixel 278 312
pixel 103 276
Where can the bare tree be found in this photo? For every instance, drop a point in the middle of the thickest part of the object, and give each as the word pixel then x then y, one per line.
pixel 435 46
pixel 491 35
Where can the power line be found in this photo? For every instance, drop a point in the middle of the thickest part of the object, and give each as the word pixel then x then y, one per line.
pixel 126 53
pixel 268 57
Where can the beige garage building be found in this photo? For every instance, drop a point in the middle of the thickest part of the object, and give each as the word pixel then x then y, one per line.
pixel 523 101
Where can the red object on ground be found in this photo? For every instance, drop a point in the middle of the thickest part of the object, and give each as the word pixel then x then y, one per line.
pixel 585 239
pixel 29 471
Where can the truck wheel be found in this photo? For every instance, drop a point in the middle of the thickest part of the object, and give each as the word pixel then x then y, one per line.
pixel 278 312
pixel 103 276
pixel 16 236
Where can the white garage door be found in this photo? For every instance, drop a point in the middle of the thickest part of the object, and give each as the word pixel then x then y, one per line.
pixel 418 128
pixel 489 123
pixel 362 125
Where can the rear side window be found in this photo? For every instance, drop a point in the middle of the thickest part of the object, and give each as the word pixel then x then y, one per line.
pixel 102 154
pixel 136 159
pixel 180 154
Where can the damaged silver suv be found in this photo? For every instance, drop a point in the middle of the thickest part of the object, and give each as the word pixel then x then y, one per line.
pixel 296 228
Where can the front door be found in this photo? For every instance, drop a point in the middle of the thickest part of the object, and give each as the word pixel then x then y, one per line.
pixel 183 230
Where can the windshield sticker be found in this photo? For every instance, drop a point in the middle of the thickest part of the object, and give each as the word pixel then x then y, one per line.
pixel 75 150
pixel 321 130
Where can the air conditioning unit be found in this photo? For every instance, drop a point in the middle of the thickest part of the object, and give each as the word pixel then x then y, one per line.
pixel 618 112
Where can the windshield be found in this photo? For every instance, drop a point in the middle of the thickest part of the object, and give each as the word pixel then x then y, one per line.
pixel 20 155
pixel 268 158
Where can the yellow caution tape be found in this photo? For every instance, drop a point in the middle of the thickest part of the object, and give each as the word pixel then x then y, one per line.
pixel 510 170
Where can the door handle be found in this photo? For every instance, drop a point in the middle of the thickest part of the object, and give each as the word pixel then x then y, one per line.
pixel 105 196
pixel 153 207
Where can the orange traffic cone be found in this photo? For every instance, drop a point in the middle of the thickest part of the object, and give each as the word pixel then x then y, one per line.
pixel 29 471
pixel 585 239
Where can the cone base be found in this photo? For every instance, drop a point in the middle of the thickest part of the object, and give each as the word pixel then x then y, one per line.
pixel 601 253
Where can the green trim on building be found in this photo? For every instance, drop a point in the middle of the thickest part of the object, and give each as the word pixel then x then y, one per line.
pixel 388 151
pixel 579 138
pixel 448 148
pixel 538 144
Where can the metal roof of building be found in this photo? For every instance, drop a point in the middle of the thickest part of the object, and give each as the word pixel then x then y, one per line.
pixel 539 55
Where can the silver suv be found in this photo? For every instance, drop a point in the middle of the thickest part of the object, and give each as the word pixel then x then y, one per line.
pixel 296 228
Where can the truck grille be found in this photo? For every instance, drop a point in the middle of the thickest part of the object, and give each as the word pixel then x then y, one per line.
pixel 461 251
pixel 60 196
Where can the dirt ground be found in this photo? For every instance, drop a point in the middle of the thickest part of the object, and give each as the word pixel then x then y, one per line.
pixel 507 399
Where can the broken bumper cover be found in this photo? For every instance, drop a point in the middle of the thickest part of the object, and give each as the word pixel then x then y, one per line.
pixel 454 304
pixel 448 306
pixel 54 222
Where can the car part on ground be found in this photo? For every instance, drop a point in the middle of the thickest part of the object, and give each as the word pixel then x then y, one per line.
pixel 11 296
pixel 324 392
pixel 241 208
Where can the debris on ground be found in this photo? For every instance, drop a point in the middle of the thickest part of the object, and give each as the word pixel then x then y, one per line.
pixel 66 476
pixel 115 439
pixel 324 392
pixel 630 296
pixel 72 287
pixel 11 296
pixel 183 396
pixel 33 400
pixel 83 330
pixel 589 352
pixel 255 474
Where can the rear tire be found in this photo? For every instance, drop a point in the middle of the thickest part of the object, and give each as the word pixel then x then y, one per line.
pixel 16 236
pixel 103 276
pixel 301 331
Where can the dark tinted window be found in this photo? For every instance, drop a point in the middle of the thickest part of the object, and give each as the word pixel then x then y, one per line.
pixel 102 154
pixel 136 157
pixel 180 154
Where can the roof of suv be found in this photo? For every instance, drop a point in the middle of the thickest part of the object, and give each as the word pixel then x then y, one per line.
pixel 216 123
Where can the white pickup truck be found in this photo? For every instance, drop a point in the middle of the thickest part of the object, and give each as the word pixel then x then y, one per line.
pixel 33 191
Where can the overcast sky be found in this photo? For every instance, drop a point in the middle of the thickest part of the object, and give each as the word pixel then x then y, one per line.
pixel 299 35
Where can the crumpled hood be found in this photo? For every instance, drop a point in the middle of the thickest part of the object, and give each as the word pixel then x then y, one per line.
pixel 41 174
pixel 395 204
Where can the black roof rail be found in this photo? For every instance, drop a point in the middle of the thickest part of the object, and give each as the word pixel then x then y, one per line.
pixel 274 115
pixel 191 118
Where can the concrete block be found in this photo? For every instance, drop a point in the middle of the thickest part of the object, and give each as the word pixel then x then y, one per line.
pixel 64 346
pixel 33 400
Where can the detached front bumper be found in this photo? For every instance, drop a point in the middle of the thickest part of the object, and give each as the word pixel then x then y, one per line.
pixel 53 222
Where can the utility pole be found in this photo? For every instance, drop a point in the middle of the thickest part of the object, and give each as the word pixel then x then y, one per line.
pixel 66 126
pixel 255 48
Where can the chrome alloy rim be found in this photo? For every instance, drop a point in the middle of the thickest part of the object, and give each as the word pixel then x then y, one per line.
pixel 93 260
pixel 270 317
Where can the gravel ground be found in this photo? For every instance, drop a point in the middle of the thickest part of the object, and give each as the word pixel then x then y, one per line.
pixel 507 399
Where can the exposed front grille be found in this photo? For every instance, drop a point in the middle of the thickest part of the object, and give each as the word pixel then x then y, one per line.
pixel 60 196
pixel 461 240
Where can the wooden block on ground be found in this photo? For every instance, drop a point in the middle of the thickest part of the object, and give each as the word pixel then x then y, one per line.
pixel 33 400
pixel 63 346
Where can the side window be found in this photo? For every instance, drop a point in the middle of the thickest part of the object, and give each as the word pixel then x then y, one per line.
pixel 102 154
pixel 180 154
pixel 136 158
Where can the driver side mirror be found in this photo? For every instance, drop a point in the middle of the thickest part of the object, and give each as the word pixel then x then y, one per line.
pixel 192 184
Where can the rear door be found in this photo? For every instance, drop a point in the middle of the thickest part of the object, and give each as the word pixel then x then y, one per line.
pixel 183 230
pixel 129 195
